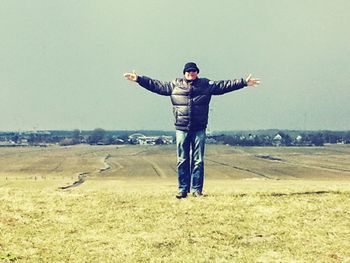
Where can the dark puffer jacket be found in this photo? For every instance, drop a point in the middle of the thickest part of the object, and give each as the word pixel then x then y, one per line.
pixel 191 99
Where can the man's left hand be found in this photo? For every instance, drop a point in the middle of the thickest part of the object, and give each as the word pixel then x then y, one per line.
pixel 252 81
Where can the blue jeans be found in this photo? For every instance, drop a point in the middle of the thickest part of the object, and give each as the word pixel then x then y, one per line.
pixel 190 160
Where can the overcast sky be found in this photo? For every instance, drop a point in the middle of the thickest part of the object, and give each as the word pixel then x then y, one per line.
pixel 62 62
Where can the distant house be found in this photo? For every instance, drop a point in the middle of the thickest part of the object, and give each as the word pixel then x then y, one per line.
pixel 152 140
pixel 7 144
pixel 119 141
pixel 299 139
pixel 341 141
pixel 167 139
pixel 139 138
pixel 134 138
pixel 24 142
pixel 148 140
pixel 277 140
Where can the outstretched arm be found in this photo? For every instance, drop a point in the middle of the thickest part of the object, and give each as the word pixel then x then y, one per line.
pixel 224 86
pixel 156 86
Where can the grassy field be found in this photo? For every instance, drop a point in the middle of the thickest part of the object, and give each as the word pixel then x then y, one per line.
pixel 262 205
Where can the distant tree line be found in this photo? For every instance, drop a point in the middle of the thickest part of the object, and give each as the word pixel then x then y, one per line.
pixel 97 136
pixel 100 136
pixel 283 138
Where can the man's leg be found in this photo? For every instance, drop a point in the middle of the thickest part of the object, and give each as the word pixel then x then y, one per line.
pixel 183 161
pixel 197 165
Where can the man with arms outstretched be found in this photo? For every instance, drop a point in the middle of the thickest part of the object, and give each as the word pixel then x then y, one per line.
pixel 190 96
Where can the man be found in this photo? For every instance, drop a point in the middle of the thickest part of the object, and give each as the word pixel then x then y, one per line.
pixel 190 97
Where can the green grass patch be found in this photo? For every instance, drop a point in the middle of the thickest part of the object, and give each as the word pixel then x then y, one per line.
pixel 141 221
pixel 270 204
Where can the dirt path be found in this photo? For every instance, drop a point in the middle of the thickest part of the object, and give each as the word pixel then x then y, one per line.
pixel 81 180
pixel 269 158
pixel 105 164
pixel 321 167
pixel 83 175
pixel 159 171
pixel 243 169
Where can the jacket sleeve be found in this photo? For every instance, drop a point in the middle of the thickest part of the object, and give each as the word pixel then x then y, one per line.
pixel 156 86
pixel 223 86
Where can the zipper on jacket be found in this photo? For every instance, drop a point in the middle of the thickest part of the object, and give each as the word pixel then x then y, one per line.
pixel 190 103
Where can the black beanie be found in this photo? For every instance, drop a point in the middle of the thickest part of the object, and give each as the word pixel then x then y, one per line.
pixel 190 66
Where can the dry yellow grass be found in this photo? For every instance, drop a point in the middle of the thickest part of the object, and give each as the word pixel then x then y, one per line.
pixel 118 216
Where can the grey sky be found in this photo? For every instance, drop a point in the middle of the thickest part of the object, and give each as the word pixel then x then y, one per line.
pixel 61 62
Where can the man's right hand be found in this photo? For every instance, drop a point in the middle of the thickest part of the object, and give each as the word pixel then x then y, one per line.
pixel 131 76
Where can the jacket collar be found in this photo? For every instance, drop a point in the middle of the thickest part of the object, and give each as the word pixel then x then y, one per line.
pixel 191 81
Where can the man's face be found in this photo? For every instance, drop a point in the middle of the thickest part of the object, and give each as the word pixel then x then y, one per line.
pixel 191 75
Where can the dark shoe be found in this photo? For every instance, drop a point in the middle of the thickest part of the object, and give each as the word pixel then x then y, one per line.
pixel 181 195
pixel 197 194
